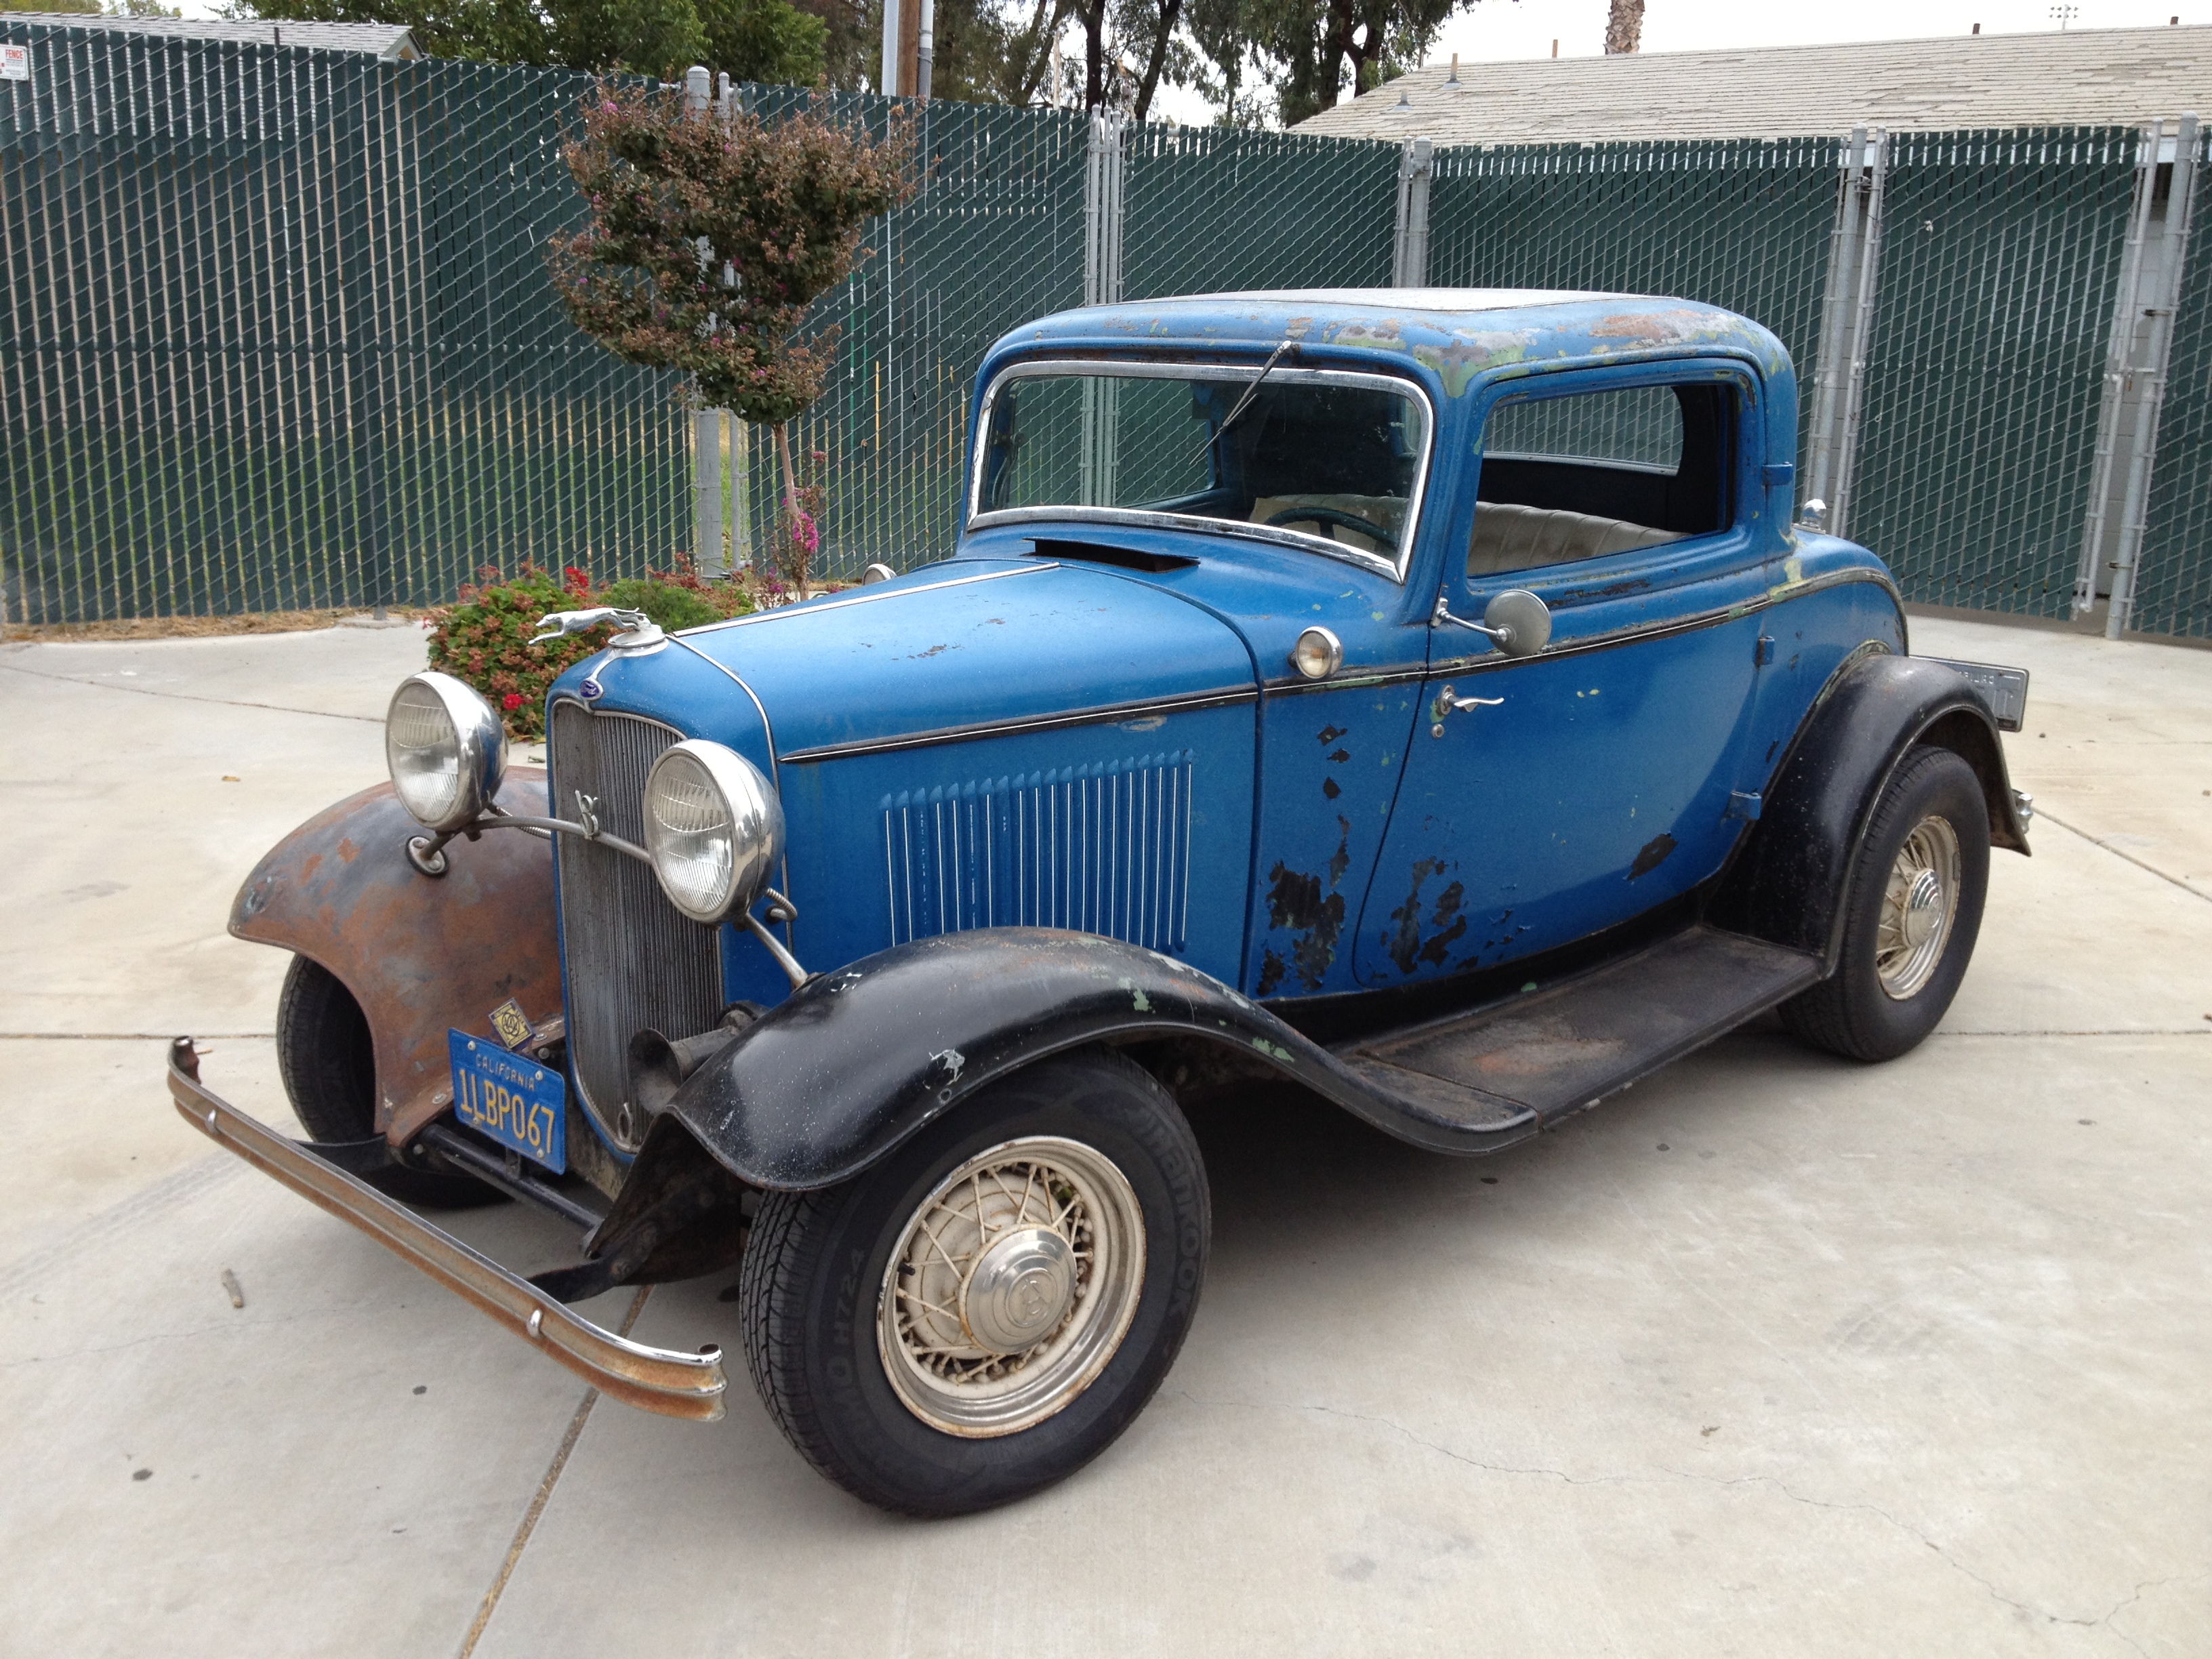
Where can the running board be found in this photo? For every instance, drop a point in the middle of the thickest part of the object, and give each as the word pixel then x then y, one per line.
pixel 658 1380
pixel 1565 1047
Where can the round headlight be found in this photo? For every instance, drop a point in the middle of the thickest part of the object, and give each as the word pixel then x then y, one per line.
pixel 446 750
pixel 1318 654
pixel 714 828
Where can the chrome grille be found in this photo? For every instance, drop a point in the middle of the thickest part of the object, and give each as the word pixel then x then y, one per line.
pixel 1101 849
pixel 630 958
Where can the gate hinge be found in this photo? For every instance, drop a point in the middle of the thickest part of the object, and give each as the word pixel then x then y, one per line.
pixel 1742 805
pixel 1763 652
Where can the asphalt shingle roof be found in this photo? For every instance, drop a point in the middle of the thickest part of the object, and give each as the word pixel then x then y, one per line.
pixel 2084 77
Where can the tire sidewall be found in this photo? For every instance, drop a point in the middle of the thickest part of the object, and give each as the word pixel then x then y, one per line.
pixel 1099 1100
pixel 1928 783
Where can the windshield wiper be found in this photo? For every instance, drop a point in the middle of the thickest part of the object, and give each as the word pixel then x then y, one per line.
pixel 1245 402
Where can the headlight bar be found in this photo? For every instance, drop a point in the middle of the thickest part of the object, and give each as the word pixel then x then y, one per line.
pixel 427 853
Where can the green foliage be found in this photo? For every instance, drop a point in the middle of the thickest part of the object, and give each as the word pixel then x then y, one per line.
pixel 750 39
pixel 766 41
pixel 709 240
pixel 652 37
pixel 672 607
pixel 79 7
pixel 1308 52
pixel 484 638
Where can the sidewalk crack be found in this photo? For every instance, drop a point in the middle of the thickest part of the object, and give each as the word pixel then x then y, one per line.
pixel 544 1493
pixel 185 696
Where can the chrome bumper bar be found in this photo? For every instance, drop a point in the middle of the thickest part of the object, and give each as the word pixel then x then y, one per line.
pixel 655 1379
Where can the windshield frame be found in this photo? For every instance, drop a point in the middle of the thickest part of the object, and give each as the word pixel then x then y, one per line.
pixel 1191 368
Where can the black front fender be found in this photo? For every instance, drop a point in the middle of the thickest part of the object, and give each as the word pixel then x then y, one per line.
pixel 1787 883
pixel 853 1063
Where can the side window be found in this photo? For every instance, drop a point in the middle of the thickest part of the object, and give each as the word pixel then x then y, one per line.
pixel 1593 473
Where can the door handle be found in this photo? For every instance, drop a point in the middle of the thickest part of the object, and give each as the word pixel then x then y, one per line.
pixel 1448 700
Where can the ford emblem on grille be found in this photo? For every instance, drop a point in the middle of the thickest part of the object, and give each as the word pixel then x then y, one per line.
pixel 592 688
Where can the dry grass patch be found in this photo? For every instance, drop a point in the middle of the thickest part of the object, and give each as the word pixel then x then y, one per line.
pixel 186 627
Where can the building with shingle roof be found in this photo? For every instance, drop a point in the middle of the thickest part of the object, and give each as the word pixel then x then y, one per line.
pixel 389 41
pixel 2089 78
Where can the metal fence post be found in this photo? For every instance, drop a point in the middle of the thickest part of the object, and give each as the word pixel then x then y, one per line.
pixel 2136 369
pixel 1409 247
pixel 364 357
pixel 1104 163
pixel 707 454
pixel 1846 323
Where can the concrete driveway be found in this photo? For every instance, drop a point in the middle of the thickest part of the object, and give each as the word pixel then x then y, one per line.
pixel 1774 1355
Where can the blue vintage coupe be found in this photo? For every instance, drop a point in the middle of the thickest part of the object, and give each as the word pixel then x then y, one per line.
pixel 1431 700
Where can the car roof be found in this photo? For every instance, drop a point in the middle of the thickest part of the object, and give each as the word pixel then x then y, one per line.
pixel 1497 325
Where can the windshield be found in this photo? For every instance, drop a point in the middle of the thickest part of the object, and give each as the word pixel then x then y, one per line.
pixel 1313 457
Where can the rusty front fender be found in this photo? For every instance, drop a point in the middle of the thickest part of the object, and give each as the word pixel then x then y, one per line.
pixel 419 953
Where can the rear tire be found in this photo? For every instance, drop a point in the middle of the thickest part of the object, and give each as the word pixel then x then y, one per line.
pixel 325 1055
pixel 861 1304
pixel 1911 914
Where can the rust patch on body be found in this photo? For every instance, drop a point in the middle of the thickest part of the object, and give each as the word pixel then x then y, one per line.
pixel 418 953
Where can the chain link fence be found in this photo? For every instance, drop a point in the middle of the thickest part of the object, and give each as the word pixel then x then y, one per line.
pixel 1740 223
pixel 2173 586
pixel 279 335
pixel 993 235
pixel 2000 256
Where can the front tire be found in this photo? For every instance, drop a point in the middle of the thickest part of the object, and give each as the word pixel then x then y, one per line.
pixel 1911 914
pixel 985 1311
pixel 325 1057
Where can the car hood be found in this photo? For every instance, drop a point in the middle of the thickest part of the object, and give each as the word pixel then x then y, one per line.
pixel 972 644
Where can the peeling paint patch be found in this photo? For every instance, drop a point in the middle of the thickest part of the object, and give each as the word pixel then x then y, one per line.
pixel 1653 854
pixel 1330 733
pixel 1328 787
pixel 1468 355
pixel 1388 335
pixel 1664 327
pixel 1271 969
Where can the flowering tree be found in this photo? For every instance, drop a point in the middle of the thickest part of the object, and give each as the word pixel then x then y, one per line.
pixel 708 241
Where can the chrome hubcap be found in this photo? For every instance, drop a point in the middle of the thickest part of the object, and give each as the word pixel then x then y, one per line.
pixel 1917 908
pixel 1020 1290
pixel 1011 1286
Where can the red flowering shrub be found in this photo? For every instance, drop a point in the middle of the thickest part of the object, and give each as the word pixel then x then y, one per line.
pixel 484 637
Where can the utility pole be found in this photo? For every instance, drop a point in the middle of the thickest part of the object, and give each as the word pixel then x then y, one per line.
pixel 908 48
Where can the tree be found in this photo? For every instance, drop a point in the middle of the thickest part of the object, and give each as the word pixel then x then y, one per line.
pixel 1624 27
pixel 750 39
pixel 1304 51
pixel 708 242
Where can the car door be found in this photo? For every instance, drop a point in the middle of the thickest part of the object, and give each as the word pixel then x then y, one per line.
pixel 1547 798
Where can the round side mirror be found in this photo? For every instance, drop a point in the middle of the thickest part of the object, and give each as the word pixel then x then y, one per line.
pixel 1519 621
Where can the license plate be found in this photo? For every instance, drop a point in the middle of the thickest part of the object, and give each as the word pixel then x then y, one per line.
pixel 515 1100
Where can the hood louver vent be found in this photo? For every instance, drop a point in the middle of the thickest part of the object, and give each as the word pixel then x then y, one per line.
pixel 1098 850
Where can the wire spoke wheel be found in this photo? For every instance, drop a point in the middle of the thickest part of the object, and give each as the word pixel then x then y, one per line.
pixel 1919 905
pixel 1011 1286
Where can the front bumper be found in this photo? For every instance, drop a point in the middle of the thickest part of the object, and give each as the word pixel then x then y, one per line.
pixel 658 1380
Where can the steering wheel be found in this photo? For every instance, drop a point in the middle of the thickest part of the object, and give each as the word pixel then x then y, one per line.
pixel 1329 515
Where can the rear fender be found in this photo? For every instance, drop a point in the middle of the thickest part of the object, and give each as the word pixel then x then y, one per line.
pixel 853 1063
pixel 421 954
pixel 1787 883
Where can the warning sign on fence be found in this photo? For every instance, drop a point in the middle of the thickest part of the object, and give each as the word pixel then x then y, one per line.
pixel 15 62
